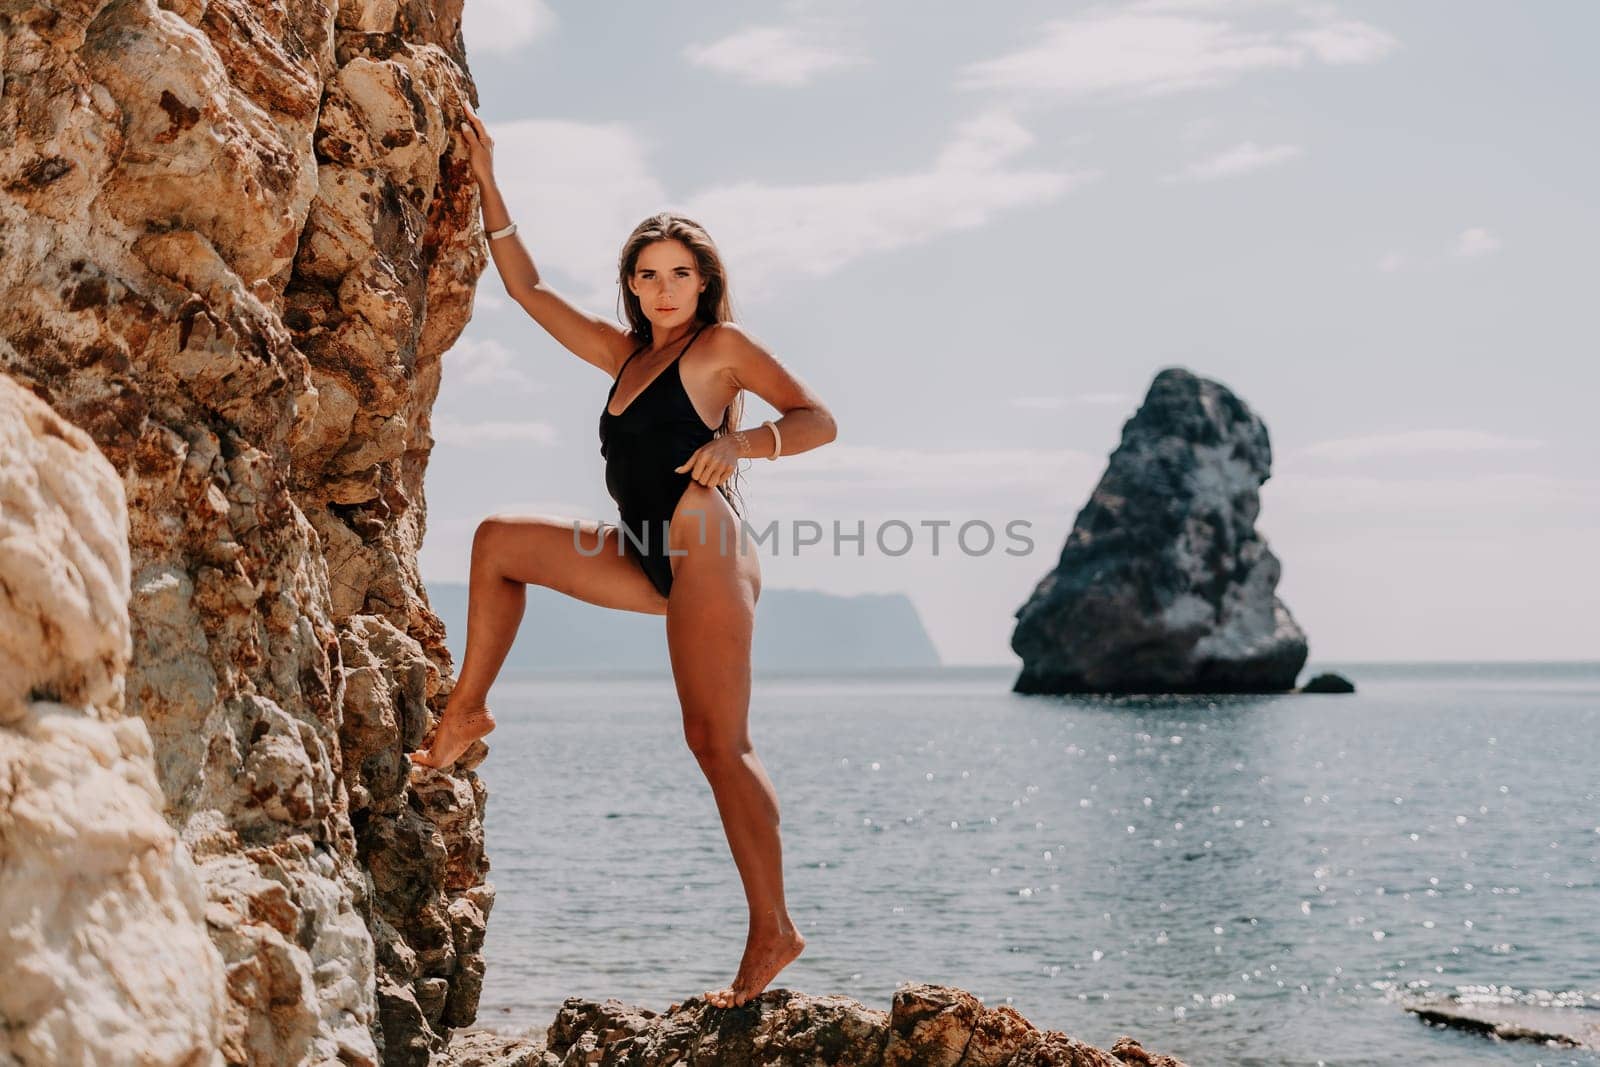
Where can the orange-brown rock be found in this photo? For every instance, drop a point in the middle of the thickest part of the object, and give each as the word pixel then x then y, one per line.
pixel 927 1026
pixel 235 239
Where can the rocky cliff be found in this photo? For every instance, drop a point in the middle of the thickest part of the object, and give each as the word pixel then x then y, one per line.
pixel 235 239
pixel 1164 585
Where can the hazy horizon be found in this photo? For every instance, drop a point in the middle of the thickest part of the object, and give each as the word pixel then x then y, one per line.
pixel 1374 224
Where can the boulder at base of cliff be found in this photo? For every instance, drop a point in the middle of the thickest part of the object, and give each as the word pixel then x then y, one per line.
pixel 1164 585
pixel 104 952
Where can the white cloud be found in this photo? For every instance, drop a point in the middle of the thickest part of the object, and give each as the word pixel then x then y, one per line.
pixel 1480 503
pixel 958 474
pixel 1476 242
pixel 451 431
pixel 984 142
pixel 1240 159
pixel 773 231
pixel 1166 47
pixel 485 361
pixel 503 26
pixel 579 189
pixel 772 55
pixel 1415 442
pixel 487 296
pixel 1346 42
pixel 1056 403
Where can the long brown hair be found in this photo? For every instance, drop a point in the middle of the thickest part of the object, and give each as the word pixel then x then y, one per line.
pixel 714 303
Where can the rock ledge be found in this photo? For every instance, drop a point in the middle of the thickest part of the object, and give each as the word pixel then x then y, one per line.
pixel 927 1026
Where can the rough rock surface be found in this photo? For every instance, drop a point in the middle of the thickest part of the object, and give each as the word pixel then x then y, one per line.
pixel 103 952
pixel 927 1026
pixel 493 1048
pixel 1164 586
pixel 235 239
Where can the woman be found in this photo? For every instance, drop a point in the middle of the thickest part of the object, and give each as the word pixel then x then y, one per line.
pixel 669 432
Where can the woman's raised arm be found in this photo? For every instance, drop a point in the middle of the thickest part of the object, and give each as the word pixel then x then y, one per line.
pixel 587 336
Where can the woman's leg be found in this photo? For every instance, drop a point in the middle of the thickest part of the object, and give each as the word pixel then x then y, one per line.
pixel 510 553
pixel 710 623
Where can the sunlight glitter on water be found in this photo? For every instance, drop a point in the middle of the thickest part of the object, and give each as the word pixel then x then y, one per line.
pixel 1237 832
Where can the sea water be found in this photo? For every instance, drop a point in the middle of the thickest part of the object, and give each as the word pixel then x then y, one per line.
pixel 1240 880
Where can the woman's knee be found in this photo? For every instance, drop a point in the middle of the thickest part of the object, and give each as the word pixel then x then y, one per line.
pixel 489 528
pixel 493 539
pixel 514 546
pixel 717 749
pixel 485 537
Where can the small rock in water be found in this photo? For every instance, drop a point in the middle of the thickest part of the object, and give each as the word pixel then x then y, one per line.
pixel 1328 682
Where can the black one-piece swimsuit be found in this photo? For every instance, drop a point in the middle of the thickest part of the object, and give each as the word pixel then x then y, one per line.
pixel 655 433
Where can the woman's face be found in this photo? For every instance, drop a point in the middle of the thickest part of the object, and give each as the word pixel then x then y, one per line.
pixel 667 282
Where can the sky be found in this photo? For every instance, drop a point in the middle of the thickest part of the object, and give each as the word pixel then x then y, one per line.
pixel 978 234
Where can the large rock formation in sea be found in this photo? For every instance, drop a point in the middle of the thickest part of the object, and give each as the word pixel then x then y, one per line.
pixel 235 239
pixel 1164 585
pixel 926 1026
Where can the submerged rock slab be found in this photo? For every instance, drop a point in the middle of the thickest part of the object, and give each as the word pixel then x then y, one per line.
pixel 1568 1027
pixel 1164 585
pixel 927 1026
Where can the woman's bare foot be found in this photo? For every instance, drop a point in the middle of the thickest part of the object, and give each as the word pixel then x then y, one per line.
pixel 458 728
pixel 764 956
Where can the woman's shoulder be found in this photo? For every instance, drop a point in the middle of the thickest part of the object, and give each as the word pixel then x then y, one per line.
pixel 731 341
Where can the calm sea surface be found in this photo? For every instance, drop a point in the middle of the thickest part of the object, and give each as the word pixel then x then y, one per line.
pixel 1233 880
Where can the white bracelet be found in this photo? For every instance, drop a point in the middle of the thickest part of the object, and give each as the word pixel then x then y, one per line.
pixel 777 439
pixel 506 232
